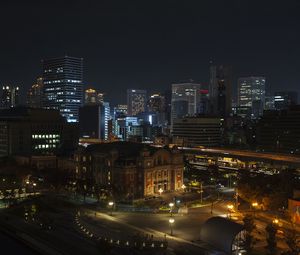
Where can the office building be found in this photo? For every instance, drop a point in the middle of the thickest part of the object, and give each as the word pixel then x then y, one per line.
pixel 136 101
pixel 32 131
pixel 157 110
pixel 91 96
pixel 93 121
pixel 120 111
pixel 185 99
pixel 220 90
pixel 9 96
pixel 195 131
pixel 35 94
pixel 279 130
pixel 285 99
pixel 251 93
pixel 63 86
pixel 135 170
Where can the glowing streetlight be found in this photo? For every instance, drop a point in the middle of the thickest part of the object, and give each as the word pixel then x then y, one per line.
pixel 27 182
pixel 171 222
pixel 171 207
pixel 230 208
pixel 111 205
pixel 160 191
pixel 183 187
pixel 254 204
pixel 276 221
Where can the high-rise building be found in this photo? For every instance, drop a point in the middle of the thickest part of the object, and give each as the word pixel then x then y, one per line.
pixel 251 93
pixel 35 94
pixel 185 99
pixel 9 96
pixel 136 101
pixel 279 130
pixel 220 90
pixel 63 85
pixel 194 131
pixel 120 111
pixel 91 96
pixel 285 99
pixel 26 131
pixel 157 110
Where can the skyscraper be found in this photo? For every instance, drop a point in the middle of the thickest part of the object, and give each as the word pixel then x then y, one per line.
pixel 35 94
pixel 136 101
pixel 285 99
pixel 185 99
pixel 251 93
pixel 63 85
pixel 9 96
pixel 220 90
pixel 91 96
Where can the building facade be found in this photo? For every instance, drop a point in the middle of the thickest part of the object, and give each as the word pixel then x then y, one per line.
pixel 185 99
pixel 285 99
pixel 132 170
pixel 197 131
pixel 9 96
pixel 35 94
pixel 251 93
pixel 279 131
pixel 28 131
pixel 220 90
pixel 63 86
pixel 136 101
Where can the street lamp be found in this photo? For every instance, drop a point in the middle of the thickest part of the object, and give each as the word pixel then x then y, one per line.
pixel 160 191
pixel 183 187
pixel 34 185
pixel 275 221
pixel 254 206
pixel 111 204
pixel 171 222
pixel 171 207
pixel 229 207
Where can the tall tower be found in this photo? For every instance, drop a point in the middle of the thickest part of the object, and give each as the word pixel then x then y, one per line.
pixel 251 93
pixel 185 99
pixel 63 85
pixel 220 90
pixel 9 96
pixel 136 101
pixel 35 94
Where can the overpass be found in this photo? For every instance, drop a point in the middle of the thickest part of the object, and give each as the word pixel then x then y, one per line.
pixel 273 158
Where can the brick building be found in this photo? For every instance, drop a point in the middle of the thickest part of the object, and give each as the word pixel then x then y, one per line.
pixel 133 170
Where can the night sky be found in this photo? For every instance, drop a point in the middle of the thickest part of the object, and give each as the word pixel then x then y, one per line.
pixel 150 44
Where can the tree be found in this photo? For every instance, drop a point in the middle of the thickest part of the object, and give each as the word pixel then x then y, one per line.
pixel 271 238
pixel 249 226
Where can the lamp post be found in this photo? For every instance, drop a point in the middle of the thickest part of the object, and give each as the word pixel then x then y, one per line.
pixel 171 208
pixel 160 191
pixel 111 204
pixel 34 185
pixel 229 207
pixel 254 206
pixel 171 222
pixel 183 187
pixel 201 192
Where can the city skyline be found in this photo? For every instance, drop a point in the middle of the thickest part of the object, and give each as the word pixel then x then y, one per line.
pixel 131 45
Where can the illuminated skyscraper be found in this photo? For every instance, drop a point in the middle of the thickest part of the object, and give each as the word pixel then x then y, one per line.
pixel 185 99
pixel 285 99
pixel 35 94
pixel 9 96
pixel 220 90
pixel 91 96
pixel 251 93
pixel 136 101
pixel 63 85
